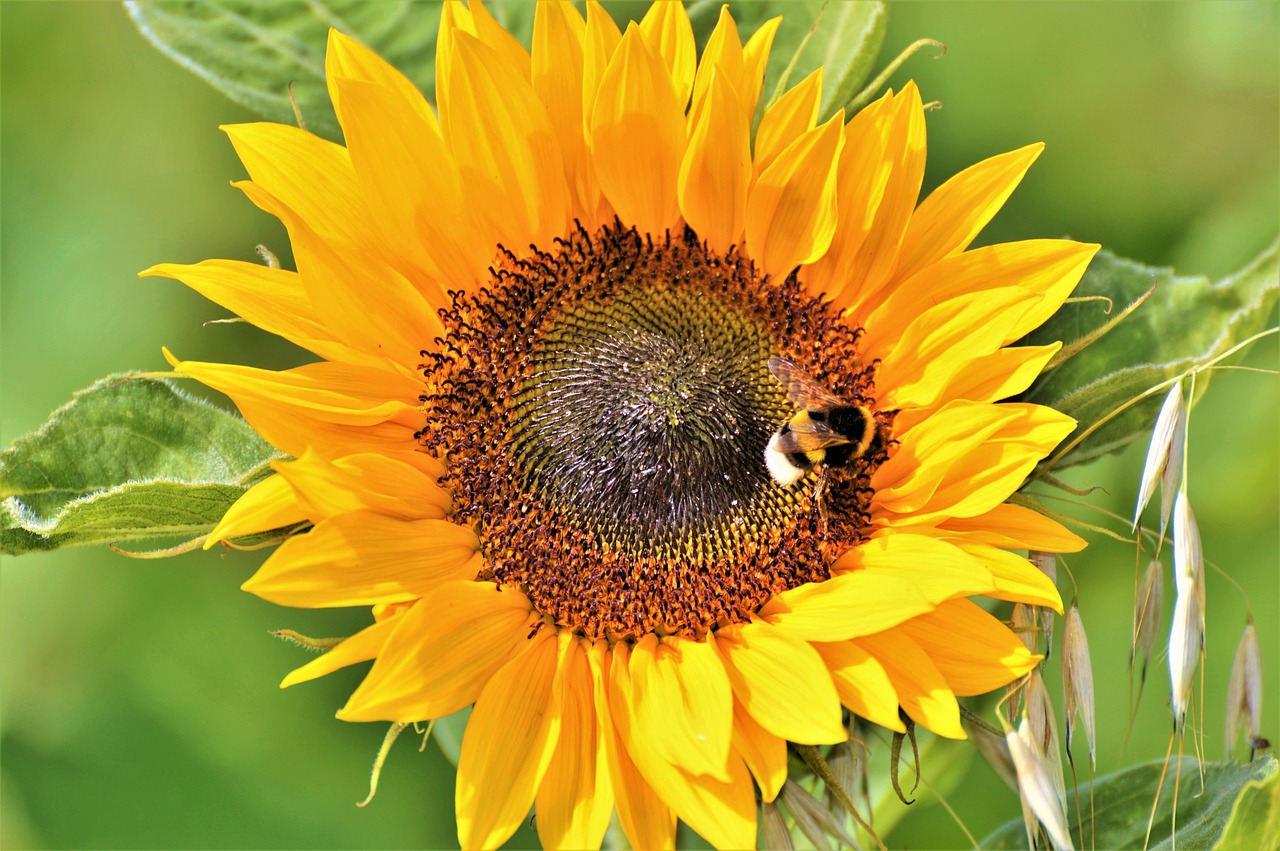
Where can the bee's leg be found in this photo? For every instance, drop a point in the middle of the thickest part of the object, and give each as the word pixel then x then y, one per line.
pixel 819 498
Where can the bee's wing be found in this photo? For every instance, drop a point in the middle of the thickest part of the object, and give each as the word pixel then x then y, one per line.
pixel 808 435
pixel 802 389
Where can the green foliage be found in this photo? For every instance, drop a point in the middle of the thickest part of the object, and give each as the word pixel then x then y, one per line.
pixel 448 731
pixel 1183 324
pixel 1123 806
pixel 254 53
pixel 1255 818
pixel 128 458
pixel 842 38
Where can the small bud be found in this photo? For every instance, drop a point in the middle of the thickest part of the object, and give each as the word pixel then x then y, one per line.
pixel 1036 784
pixel 773 827
pixel 1244 694
pixel 1077 679
pixel 1146 613
pixel 1164 455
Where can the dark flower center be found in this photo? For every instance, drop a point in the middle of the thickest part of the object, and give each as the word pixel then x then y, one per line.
pixel 604 409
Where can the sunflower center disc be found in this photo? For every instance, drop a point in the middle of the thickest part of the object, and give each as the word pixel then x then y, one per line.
pixel 603 409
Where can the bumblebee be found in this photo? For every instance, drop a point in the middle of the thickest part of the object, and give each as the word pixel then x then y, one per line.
pixel 825 430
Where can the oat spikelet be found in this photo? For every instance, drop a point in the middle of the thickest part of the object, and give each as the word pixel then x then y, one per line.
pixel 1164 456
pixel 1146 614
pixel 815 821
pixel 1244 693
pixel 773 827
pixel 1186 634
pixel 1037 784
pixel 1077 680
pixel 1046 563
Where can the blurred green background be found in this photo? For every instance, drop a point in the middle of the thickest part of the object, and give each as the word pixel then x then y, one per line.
pixel 138 699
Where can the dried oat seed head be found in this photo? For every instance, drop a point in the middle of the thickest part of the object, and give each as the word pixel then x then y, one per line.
pixel 1146 613
pixel 1037 785
pixel 1244 693
pixel 1077 680
pixel 773 827
pixel 1164 455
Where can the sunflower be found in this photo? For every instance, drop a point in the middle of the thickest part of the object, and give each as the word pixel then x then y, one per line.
pixel 534 440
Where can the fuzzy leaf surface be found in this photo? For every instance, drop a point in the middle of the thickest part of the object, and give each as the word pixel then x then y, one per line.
pixel 252 52
pixel 1123 802
pixel 126 459
pixel 1186 322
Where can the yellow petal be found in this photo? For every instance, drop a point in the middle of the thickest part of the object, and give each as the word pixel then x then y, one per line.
pixel 508 745
pixel 793 115
pixel 990 656
pixel 992 468
pixel 861 178
pixel 862 683
pixel 505 145
pixel 1000 374
pixel 686 716
pixel 575 799
pixel 347 57
pixel 938 570
pixel 397 154
pixel 764 753
pixel 270 504
pixel 716 170
pixel 395 487
pixel 504 44
pixel 361 647
pixel 722 56
pixel 903 139
pixel 791 212
pixel 298 408
pixel 782 683
pixel 363 301
pixel 289 163
pixel 363 558
pixel 1014 577
pixel 646 820
pixel 1016 527
pixel 953 214
pixel 667 28
pixel 1048 268
pixel 844 606
pixel 906 482
pixel 272 299
pixel 638 136
pixel 939 346
pixel 558 58
pixel 723 813
pixel 443 652
pixel 922 690
pixel 755 56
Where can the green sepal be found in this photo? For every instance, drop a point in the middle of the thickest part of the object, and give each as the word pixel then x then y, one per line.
pixel 128 458
pixel 1183 324
pixel 1255 817
pixel 1123 801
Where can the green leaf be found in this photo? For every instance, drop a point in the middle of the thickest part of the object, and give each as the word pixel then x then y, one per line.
pixel 252 52
pixel 1255 818
pixel 126 459
pixel 842 37
pixel 1185 323
pixel 1123 806
pixel 448 733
